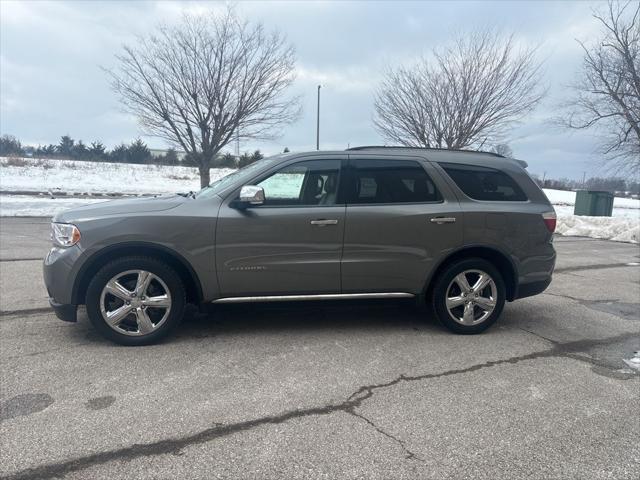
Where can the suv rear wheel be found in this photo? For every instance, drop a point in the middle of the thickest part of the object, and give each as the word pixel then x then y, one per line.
pixel 469 296
pixel 135 300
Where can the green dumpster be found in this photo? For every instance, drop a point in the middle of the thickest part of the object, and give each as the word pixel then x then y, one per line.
pixel 593 203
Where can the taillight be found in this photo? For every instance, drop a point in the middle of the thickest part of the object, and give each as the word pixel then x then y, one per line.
pixel 550 220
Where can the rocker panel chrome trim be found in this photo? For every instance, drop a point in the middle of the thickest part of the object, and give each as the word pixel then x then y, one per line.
pixel 326 296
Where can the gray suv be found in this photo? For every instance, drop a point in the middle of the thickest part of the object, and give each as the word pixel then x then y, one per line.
pixel 461 231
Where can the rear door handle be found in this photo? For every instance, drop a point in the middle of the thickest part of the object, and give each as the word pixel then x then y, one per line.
pixel 324 223
pixel 441 220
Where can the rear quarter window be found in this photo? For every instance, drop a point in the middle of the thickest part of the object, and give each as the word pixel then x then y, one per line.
pixel 484 183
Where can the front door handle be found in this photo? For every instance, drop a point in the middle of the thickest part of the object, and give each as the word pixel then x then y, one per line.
pixel 441 220
pixel 323 223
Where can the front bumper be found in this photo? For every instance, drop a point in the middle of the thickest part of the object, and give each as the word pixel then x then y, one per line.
pixel 65 312
pixel 58 272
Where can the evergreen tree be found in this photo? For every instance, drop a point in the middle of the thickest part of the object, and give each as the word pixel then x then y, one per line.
pixel 97 151
pixel 228 161
pixel 79 151
pixel 138 152
pixel 171 157
pixel 257 156
pixel 120 153
pixel 49 150
pixel 65 147
pixel 245 159
pixel 10 145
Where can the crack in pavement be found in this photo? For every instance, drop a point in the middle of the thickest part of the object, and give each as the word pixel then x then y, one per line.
pixel 409 455
pixel 613 306
pixel 25 311
pixel 575 299
pixel 591 267
pixel 355 400
pixel 21 259
pixel 550 340
pixel 600 367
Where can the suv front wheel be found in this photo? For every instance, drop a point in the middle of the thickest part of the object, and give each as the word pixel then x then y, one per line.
pixel 469 296
pixel 135 300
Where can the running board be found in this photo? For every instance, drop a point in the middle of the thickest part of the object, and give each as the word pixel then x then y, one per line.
pixel 327 296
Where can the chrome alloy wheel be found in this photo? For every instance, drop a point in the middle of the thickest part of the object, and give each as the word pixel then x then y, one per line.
pixel 135 302
pixel 471 297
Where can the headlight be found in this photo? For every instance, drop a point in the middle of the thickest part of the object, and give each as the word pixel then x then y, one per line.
pixel 64 234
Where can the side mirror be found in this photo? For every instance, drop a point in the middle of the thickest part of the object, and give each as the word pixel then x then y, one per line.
pixel 252 195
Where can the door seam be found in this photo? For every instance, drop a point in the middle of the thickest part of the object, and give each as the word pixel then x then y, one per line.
pixel 344 232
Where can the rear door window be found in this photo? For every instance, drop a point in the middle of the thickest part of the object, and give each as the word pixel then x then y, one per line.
pixel 483 183
pixel 390 181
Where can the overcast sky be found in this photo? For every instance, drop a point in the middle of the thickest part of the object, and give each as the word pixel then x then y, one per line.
pixel 52 83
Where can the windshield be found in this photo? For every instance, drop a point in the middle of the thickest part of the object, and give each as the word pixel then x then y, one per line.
pixel 242 175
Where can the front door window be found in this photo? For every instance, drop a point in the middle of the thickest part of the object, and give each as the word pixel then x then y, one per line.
pixel 314 182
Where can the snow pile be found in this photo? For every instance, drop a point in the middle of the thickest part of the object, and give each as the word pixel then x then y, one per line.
pixel 623 226
pixel 619 229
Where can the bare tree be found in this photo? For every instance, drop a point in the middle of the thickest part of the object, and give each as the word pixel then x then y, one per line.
pixel 607 95
pixel 466 95
pixel 206 80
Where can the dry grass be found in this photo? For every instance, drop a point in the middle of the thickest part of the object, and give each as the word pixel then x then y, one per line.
pixel 179 177
pixel 25 162
pixel 16 162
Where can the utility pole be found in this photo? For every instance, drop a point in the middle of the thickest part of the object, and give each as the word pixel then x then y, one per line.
pixel 318 122
pixel 584 175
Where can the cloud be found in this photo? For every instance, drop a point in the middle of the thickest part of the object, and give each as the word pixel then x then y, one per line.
pixel 352 79
pixel 51 52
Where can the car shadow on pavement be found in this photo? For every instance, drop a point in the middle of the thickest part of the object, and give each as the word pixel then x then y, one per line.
pixel 397 315
pixel 292 318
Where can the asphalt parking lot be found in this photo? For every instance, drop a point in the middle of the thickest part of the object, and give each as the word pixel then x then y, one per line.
pixel 353 390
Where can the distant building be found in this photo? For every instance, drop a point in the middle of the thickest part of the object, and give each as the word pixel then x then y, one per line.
pixel 159 152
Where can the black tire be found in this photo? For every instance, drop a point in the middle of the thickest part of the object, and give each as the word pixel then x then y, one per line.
pixel 445 279
pixel 158 268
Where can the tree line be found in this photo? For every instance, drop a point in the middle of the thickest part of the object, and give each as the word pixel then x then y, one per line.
pixel 135 152
pixel 618 185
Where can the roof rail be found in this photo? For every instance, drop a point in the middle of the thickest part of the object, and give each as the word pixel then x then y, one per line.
pixel 371 147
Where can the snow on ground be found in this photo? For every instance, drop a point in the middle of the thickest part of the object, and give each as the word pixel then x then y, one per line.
pixel 619 229
pixel 622 226
pixel 563 197
pixel 75 177
pixel 42 175
pixel 39 206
